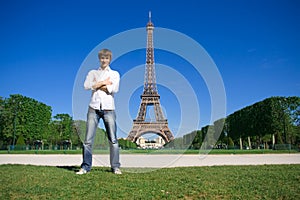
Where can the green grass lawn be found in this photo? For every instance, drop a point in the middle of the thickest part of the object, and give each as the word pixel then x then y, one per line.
pixel 219 182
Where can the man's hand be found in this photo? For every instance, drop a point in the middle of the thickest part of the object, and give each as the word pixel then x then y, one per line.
pixel 101 85
pixel 107 81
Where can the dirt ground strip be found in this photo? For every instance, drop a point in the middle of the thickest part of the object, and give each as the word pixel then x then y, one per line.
pixel 152 161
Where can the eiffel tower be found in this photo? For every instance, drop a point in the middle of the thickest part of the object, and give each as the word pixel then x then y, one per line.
pixel 150 97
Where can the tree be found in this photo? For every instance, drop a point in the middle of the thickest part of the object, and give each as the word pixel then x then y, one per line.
pixel 2 120
pixel 126 144
pixel 198 139
pixel 220 130
pixel 23 116
pixel 189 138
pixel 64 123
pixel 209 140
pixel 274 117
pixel 177 143
pixel 100 141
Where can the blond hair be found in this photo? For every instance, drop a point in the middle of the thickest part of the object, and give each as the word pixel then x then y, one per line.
pixel 105 52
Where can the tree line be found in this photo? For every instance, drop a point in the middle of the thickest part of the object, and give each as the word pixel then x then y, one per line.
pixel 265 124
pixel 269 124
pixel 27 122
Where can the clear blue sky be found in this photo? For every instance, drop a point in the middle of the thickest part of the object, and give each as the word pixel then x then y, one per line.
pixel 254 44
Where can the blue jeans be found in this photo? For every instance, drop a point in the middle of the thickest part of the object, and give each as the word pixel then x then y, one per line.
pixel 109 119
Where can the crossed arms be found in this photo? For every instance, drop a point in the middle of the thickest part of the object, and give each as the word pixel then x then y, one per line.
pixel 109 85
pixel 102 85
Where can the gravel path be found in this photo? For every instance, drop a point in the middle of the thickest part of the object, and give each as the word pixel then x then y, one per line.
pixel 152 161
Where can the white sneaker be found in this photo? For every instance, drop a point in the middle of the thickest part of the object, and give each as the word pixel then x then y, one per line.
pixel 117 171
pixel 81 171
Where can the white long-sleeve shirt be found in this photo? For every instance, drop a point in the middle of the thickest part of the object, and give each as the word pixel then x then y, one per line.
pixel 100 99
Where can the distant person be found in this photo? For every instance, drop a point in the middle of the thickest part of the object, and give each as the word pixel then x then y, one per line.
pixel 104 83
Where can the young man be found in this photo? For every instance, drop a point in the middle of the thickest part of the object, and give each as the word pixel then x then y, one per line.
pixel 103 83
